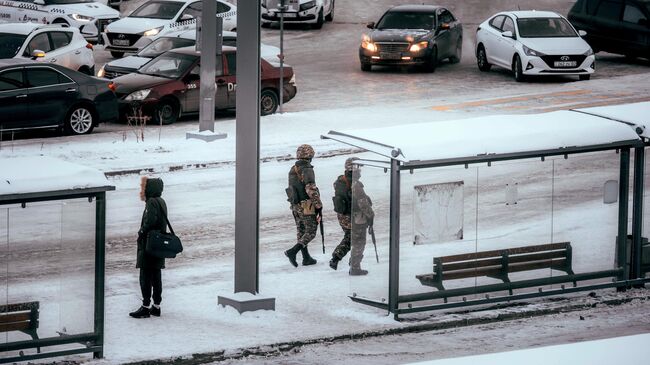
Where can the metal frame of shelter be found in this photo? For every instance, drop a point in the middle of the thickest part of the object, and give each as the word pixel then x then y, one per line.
pixel 630 274
pixel 89 342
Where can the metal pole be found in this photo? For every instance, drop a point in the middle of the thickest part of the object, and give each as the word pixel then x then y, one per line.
pixel 248 148
pixel 637 211
pixel 208 47
pixel 622 255
pixel 393 269
pixel 283 8
pixel 100 264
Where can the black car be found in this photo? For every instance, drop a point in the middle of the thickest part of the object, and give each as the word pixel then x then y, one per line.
pixel 46 95
pixel 616 26
pixel 419 35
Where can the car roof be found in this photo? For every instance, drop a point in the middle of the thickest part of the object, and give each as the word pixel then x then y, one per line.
pixel 415 8
pixel 17 62
pixel 191 50
pixel 532 14
pixel 27 28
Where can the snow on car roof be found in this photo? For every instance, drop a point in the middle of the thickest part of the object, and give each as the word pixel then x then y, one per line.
pixel 39 174
pixel 415 8
pixel 495 135
pixel 533 14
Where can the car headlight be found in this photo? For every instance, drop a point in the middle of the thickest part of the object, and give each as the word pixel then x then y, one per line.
pixel 101 72
pixel 417 47
pixel 532 52
pixel 138 95
pixel 81 18
pixel 366 43
pixel 152 32
pixel 307 5
pixel 590 52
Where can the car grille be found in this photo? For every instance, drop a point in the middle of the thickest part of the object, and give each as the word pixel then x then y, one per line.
pixel 550 60
pixel 131 38
pixel 392 47
pixel 111 74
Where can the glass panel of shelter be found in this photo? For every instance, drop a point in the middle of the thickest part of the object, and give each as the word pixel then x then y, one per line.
pixel 4 262
pixel 646 208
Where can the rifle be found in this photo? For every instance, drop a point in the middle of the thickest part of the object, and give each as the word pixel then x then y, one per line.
pixel 322 232
pixel 374 241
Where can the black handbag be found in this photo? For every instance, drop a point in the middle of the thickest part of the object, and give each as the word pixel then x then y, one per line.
pixel 161 244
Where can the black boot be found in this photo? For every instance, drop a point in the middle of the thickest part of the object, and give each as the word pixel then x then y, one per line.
pixel 291 254
pixel 358 271
pixel 306 258
pixel 334 263
pixel 155 311
pixel 142 312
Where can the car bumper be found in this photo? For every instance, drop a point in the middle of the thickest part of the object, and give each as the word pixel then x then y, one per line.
pixel 134 48
pixel 401 59
pixel 308 15
pixel 534 66
pixel 289 92
pixel 107 107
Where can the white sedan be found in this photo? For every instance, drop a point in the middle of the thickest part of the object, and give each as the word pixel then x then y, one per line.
pixel 533 43
pixel 313 12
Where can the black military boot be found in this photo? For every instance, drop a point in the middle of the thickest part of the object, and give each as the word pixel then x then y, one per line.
pixel 291 254
pixel 155 311
pixel 142 312
pixel 306 258
pixel 334 263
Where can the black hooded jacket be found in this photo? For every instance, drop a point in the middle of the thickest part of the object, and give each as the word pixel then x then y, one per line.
pixel 153 218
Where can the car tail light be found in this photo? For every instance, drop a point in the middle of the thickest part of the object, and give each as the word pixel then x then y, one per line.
pixel 112 86
pixel 89 46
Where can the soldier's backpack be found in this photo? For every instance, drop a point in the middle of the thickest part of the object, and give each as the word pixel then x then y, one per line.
pixel 341 198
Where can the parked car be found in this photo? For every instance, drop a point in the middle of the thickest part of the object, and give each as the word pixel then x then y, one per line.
pixel 412 35
pixel 616 26
pixel 533 43
pixel 168 86
pixel 157 18
pixel 50 43
pixel 313 12
pixel 123 66
pixel 90 17
pixel 40 95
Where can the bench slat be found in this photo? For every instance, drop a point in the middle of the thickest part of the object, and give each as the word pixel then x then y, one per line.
pixel 19 307
pixel 15 317
pixel 493 262
pixel 510 251
pixel 17 326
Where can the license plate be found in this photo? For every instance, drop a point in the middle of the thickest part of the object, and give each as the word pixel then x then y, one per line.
pixel 390 56
pixel 290 15
pixel 565 63
pixel 121 42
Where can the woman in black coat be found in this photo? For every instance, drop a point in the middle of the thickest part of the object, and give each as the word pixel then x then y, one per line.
pixel 153 218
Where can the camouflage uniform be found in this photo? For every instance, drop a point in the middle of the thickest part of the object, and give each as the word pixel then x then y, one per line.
pixel 306 205
pixel 354 219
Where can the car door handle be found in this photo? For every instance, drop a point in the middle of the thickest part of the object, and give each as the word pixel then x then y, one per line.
pixel 71 90
pixel 21 96
pixel 77 52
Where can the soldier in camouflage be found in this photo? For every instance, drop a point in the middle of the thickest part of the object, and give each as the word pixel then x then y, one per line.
pixel 306 205
pixel 354 219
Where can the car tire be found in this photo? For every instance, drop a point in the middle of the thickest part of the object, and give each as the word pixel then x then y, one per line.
pixel 517 69
pixel 366 67
pixel 60 21
pixel 166 112
pixel 330 16
pixel 458 53
pixel 117 54
pixel 265 24
pixel 319 20
pixel 432 62
pixel 79 120
pixel 86 70
pixel 584 77
pixel 268 102
pixel 481 59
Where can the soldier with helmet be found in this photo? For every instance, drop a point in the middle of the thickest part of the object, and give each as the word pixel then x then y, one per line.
pixel 353 219
pixel 306 205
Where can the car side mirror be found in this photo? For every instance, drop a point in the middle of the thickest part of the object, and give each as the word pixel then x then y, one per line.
pixel 582 33
pixel 186 17
pixel 508 34
pixel 39 2
pixel 444 26
pixel 370 25
pixel 37 53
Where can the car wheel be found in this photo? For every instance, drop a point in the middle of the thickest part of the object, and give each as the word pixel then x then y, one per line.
pixel 60 21
pixel 430 65
pixel 117 54
pixel 319 20
pixel 585 77
pixel 481 59
pixel 517 69
pixel 166 112
pixel 79 120
pixel 330 16
pixel 365 67
pixel 268 102
pixel 458 53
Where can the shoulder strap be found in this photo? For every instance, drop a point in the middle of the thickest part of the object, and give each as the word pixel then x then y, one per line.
pixel 297 171
pixel 165 215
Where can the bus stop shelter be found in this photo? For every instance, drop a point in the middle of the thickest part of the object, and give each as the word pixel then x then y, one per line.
pixel 52 258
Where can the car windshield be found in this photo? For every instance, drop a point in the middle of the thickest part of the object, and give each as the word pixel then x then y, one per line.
pixel 545 28
pixel 63 2
pixel 170 65
pixel 10 44
pixel 404 20
pixel 157 10
pixel 162 45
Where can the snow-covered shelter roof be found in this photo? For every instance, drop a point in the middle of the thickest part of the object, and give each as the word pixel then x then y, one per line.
pixel 636 115
pixel 491 138
pixel 41 176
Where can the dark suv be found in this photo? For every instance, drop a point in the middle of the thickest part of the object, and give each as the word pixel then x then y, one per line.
pixel 616 26
pixel 418 35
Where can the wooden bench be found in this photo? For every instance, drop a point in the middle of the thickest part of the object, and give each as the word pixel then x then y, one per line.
pixel 20 317
pixel 499 263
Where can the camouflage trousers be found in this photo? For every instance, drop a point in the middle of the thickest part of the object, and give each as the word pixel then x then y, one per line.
pixel 306 225
pixel 354 241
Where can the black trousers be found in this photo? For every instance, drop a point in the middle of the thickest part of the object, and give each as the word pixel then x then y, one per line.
pixel 150 280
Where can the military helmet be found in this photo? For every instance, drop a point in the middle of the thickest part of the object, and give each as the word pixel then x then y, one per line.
pixel 305 151
pixel 349 163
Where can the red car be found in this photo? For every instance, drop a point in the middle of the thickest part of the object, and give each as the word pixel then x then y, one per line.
pixel 167 87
